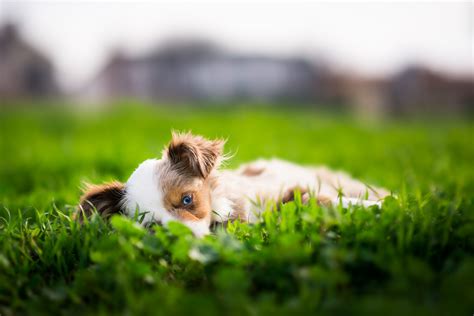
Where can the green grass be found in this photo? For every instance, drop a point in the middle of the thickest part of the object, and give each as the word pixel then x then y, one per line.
pixel 414 256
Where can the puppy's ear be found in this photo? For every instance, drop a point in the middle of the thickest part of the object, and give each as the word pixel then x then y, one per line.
pixel 105 199
pixel 194 155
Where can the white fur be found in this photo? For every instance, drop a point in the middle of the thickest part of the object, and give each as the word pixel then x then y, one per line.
pixel 143 194
pixel 279 176
pixel 347 202
pixel 222 207
pixel 199 228
pixel 237 190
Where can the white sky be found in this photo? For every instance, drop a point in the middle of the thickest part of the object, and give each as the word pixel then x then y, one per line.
pixel 368 37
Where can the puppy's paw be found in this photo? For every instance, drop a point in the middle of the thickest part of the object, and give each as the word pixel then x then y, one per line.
pixel 290 194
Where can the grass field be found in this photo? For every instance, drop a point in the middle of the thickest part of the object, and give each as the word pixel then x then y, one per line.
pixel 413 256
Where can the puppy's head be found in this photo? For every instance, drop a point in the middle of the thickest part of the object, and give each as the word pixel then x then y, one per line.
pixel 177 186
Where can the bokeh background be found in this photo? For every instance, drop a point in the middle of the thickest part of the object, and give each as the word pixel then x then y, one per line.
pixel 373 59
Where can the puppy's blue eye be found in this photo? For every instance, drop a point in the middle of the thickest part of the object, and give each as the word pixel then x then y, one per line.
pixel 187 199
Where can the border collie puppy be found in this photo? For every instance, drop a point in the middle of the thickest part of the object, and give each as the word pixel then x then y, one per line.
pixel 186 185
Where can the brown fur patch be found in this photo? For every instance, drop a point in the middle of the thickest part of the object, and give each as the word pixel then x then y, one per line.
pixel 175 186
pixel 251 171
pixel 324 200
pixel 239 212
pixel 289 195
pixel 194 155
pixel 104 198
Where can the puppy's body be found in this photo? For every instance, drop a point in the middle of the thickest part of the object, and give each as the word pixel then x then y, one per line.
pixel 187 185
pixel 253 184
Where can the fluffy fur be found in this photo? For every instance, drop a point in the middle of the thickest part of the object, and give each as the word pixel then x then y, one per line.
pixel 189 167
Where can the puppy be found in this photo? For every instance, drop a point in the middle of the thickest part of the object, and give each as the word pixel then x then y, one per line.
pixel 186 185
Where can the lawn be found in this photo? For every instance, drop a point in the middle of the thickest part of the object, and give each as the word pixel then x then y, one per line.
pixel 415 255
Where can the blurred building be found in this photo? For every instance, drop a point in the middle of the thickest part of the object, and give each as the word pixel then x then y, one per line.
pixel 24 71
pixel 365 96
pixel 199 71
pixel 413 90
pixel 419 89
